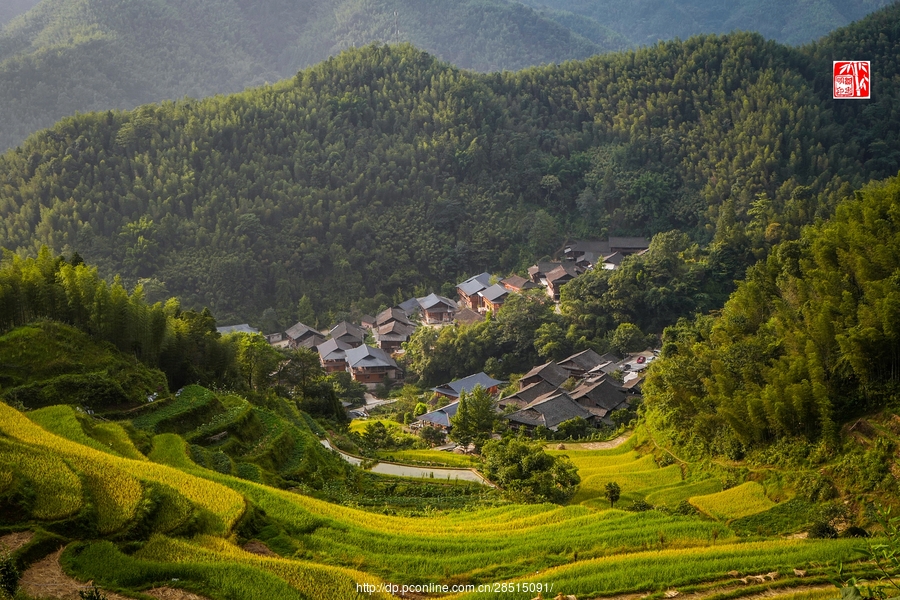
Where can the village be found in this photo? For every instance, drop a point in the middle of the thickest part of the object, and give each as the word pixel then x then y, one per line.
pixel 585 386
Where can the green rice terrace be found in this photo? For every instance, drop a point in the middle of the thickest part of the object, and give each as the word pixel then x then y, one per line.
pixel 208 493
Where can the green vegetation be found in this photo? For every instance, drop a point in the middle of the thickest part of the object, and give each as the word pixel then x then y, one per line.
pixel 342 198
pixel 46 361
pixel 741 501
pixel 527 473
pixel 804 344
pixel 68 56
pixel 434 458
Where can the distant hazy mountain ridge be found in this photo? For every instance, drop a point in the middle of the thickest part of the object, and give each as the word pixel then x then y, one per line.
pixel 65 56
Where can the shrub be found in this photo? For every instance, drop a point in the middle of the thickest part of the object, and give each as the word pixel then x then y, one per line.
pixel 822 530
pixel 9 575
pixel 640 506
pixel 92 594
pixel 855 532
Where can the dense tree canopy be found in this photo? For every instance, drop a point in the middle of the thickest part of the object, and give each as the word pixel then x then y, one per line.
pixel 810 339
pixel 383 172
pixel 68 56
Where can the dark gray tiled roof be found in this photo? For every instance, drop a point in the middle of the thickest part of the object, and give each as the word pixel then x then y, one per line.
pixel 333 350
pixel 467 384
pixel 367 356
pixel 549 372
pixel 344 329
pixel 392 314
pixel 432 300
pixel 441 416
pixel 299 330
pixel 549 410
pixel 599 394
pixel 629 243
pixel 494 293
pixel 582 361
pixel 475 284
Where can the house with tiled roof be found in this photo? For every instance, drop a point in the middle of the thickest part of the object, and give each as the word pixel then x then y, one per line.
pixel 600 397
pixel 390 315
pixel 390 336
pixel 437 309
pixel 439 418
pixel 492 298
pixel 559 276
pixel 517 283
pixel 526 395
pixel 628 245
pixel 348 333
pixel 548 411
pixel 581 363
pixel 549 372
pixel 333 355
pixel 303 336
pixel 467 316
pixel 467 384
pixel 371 366
pixel 468 290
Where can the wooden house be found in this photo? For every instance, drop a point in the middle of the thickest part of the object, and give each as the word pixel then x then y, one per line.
pixel 549 411
pixel 468 290
pixel 492 298
pixel 549 372
pixel 371 366
pixel 453 389
pixel 391 335
pixel 437 310
pixel 333 355
pixel 303 336
pixel 348 333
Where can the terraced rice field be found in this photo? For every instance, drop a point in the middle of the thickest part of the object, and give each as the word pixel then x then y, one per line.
pixel 740 501
pixel 63 495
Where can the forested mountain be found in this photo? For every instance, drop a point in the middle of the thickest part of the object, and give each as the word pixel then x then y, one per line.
pixel 67 56
pixel 80 55
pixel 645 22
pixel 808 341
pixel 384 172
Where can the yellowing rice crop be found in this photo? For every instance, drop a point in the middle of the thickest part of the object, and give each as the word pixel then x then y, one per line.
pixel 740 501
pixel 673 495
pixel 58 491
pixel 655 570
pixel 221 501
pixel 594 486
pixel 314 580
pixel 115 494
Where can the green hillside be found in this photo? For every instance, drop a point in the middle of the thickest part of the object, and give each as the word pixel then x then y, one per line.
pixel 47 362
pixel 68 56
pixel 383 172
pixel 806 344
pixel 644 22
pixel 130 523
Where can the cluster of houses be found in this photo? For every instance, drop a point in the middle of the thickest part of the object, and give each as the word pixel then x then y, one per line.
pixel 583 385
pixel 344 347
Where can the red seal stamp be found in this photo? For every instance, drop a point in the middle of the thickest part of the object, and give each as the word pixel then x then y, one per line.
pixel 851 79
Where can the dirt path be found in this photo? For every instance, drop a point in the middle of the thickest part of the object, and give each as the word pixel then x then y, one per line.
pixel 602 445
pixel 167 593
pixel 13 541
pixel 46 579
pixel 258 548
pixel 765 595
